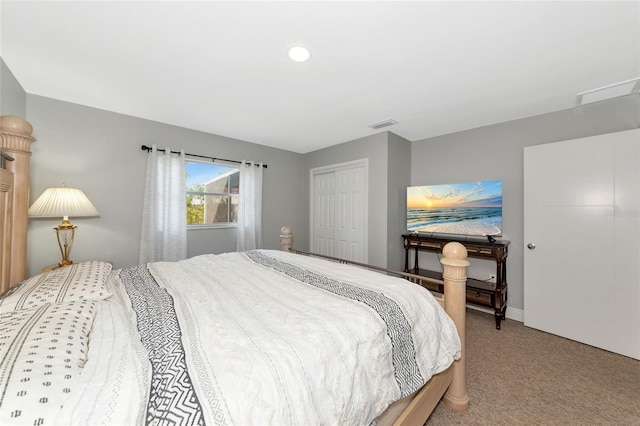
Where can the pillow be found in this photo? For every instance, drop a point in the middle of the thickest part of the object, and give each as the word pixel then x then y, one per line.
pixel 42 353
pixel 79 281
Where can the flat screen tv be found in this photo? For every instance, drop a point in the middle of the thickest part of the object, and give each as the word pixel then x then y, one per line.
pixel 469 209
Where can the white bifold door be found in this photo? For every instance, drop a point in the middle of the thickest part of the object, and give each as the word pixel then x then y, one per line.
pixel 338 210
pixel 582 240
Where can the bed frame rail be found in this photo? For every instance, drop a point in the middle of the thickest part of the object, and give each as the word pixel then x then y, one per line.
pixel 418 279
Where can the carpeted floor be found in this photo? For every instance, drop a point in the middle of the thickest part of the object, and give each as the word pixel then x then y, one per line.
pixel 522 376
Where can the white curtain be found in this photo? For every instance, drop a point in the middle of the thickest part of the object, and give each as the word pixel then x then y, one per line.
pixel 250 206
pixel 164 214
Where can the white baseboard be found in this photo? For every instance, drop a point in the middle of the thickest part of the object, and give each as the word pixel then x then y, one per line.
pixel 512 313
pixel 515 314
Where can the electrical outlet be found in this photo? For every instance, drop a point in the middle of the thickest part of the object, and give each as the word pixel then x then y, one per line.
pixel 492 278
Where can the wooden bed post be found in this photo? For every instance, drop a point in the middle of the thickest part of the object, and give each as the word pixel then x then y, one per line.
pixel 455 265
pixel 15 140
pixel 286 238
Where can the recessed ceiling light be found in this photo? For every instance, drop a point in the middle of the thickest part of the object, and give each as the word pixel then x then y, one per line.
pixel 299 54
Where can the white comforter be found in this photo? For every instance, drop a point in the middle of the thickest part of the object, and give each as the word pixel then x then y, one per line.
pixel 267 337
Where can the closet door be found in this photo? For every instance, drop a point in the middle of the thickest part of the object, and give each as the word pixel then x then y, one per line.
pixel 324 214
pixel 349 214
pixel 582 238
pixel 339 210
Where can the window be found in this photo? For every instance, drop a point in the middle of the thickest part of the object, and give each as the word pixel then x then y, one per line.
pixel 212 194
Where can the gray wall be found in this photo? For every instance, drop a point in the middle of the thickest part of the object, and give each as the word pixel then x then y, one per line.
pixel 399 155
pixel 99 152
pixel 375 148
pixel 13 99
pixel 496 152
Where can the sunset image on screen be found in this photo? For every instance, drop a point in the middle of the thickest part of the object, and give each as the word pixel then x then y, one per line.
pixel 473 208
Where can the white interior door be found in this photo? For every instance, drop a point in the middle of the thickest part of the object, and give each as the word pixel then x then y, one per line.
pixel 338 210
pixel 581 228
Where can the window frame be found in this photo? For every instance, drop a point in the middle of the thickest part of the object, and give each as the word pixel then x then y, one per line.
pixel 218 225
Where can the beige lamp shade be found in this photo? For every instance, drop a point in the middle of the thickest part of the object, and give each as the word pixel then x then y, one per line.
pixel 59 202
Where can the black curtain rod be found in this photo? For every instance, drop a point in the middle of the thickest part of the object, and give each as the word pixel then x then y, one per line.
pixel 148 148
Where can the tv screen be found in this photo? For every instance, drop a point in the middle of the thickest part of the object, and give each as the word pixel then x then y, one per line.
pixel 473 208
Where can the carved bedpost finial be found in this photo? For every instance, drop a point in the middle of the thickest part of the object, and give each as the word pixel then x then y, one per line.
pixel 455 263
pixel 457 251
pixel 286 238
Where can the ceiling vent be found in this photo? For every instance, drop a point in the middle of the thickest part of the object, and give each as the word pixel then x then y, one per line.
pixel 608 92
pixel 383 123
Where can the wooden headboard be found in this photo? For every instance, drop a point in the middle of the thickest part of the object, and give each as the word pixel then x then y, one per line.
pixel 15 142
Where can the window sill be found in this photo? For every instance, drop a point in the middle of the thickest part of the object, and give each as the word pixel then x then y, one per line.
pixel 211 226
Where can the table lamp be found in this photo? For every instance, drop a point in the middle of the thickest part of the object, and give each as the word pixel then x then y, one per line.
pixel 65 202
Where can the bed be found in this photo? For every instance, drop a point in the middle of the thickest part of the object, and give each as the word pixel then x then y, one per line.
pixel 259 337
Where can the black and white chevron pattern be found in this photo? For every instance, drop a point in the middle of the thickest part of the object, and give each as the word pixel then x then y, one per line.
pixel 172 397
pixel 406 370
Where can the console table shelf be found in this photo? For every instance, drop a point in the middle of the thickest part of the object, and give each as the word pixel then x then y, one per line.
pixel 479 292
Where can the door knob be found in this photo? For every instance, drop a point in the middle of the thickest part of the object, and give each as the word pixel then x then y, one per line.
pixel 531 246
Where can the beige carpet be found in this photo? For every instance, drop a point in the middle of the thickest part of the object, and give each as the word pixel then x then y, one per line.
pixel 522 376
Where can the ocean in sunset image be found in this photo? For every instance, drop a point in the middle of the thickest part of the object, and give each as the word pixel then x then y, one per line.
pixel 473 208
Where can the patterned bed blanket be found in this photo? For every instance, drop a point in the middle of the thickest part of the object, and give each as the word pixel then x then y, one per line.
pixel 262 337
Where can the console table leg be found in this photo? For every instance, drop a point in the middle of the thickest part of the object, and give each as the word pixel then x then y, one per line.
pixel 498 319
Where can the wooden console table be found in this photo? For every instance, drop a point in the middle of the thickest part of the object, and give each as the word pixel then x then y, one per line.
pixel 479 292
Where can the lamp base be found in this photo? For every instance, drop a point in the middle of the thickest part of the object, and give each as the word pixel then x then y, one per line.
pixel 64 234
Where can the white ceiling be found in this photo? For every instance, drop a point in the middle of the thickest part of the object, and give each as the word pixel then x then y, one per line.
pixel 222 67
